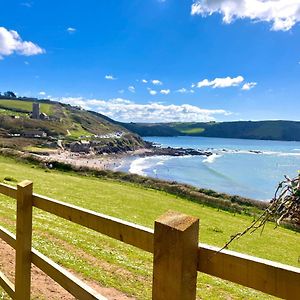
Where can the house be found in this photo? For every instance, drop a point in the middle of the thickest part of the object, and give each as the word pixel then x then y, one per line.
pixel 44 116
pixel 82 146
pixel 34 134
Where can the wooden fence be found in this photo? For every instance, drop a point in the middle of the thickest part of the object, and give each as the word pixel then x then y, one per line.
pixel 174 242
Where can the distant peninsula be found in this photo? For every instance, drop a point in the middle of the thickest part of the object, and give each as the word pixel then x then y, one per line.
pixel 260 130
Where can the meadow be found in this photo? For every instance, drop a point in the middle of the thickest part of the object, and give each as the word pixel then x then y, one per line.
pixel 25 106
pixel 126 268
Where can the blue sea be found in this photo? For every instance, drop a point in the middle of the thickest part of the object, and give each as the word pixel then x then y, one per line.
pixel 234 168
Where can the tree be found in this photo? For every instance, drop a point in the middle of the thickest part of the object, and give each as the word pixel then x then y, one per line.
pixel 10 94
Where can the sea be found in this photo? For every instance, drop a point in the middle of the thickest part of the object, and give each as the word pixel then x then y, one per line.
pixel 248 168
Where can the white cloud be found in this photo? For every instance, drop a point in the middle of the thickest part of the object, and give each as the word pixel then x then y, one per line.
pixel 127 111
pixel 283 14
pixel 71 29
pixel 11 42
pixel 42 93
pixel 121 91
pixel 131 89
pixel 182 91
pixel 110 77
pixel 152 92
pixel 165 92
pixel 156 82
pixel 221 82
pixel 144 81
pixel 26 62
pixel 248 86
pixel 185 91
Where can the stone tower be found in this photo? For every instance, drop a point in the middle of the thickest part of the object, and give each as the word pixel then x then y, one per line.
pixel 35 110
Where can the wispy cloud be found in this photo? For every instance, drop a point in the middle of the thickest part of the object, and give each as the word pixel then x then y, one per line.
pixel 248 86
pixel 27 4
pixel 144 81
pixel 131 89
pixel 110 77
pixel 185 91
pixel 220 82
pixel 71 29
pixel 42 93
pixel 128 111
pixel 165 92
pixel 156 82
pixel 11 42
pixel 283 14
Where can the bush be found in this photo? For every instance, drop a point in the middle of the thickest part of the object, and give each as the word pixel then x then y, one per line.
pixel 11 179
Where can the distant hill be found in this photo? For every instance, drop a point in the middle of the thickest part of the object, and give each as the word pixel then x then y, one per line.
pixel 262 130
pixel 62 121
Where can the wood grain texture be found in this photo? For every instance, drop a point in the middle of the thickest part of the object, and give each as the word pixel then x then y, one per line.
pixel 127 232
pixel 23 241
pixel 8 190
pixel 175 257
pixel 7 285
pixel 267 276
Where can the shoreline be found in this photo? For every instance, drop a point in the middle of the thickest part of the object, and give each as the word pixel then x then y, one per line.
pixel 112 161
pixel 91 161
pixel 226 202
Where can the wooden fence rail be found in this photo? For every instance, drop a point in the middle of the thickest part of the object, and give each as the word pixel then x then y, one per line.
pixel 174 242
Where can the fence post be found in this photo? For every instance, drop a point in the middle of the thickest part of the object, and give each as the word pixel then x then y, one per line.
pixel 175 257
pixel 23 240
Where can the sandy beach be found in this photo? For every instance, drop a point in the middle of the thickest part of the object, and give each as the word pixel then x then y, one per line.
pixel 92 161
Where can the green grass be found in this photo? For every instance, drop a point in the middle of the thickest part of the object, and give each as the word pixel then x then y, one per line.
pixel 192 130
pixel 39 149
pixel 77 131
pixel 126 268
pixel 25 105
pixel 6 112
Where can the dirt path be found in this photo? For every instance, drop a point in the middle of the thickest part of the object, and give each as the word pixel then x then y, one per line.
pixel 43 287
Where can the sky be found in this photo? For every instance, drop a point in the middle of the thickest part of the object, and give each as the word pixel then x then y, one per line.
pixel 156 60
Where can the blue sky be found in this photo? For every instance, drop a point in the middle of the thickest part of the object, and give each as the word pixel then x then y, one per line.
pixel 155 60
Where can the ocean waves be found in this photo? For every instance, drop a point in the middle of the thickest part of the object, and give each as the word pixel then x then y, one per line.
pixel 243 167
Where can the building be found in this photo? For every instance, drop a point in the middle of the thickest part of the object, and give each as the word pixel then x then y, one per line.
pixel 82 146
pixel 34 134
pixel 35 110
pixel 44 116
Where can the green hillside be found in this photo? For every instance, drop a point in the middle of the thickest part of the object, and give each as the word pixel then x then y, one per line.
pixel 263 130
pixel 60 121
pixel 113 264
pixel 24 106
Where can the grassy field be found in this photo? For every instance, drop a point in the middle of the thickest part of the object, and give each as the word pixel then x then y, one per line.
pixel 193 131
pixel 114 264
pixel 25 105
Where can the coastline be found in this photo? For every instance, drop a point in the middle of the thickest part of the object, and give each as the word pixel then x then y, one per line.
pixel 202 196
pixel 112 161
pixel 223 201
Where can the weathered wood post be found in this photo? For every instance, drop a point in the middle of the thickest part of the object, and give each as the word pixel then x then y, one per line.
pixel 175 257
pixel 23 240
